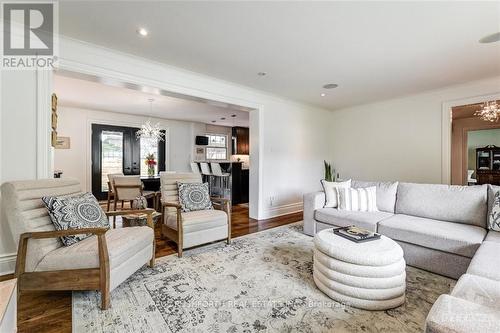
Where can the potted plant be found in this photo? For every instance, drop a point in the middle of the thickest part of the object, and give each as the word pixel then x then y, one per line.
pixel 150 163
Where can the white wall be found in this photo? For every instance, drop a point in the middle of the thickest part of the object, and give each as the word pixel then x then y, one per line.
pixel 398 139
pixel 76 123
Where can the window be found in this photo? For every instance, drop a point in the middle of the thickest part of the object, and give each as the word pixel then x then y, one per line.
pixel 148 146
pixel 217 147
pixel 111 155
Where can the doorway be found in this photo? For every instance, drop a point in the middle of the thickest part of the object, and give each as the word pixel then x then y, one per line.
pixel 470 134
pixel 116 149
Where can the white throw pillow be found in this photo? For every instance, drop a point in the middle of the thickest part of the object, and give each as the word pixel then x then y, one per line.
pixel 358 199
pixel 330 189
pixel 494 218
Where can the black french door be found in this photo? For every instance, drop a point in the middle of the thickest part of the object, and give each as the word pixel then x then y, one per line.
pixel 114 150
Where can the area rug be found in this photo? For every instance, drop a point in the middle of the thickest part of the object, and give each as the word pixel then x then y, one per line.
pixel 260 283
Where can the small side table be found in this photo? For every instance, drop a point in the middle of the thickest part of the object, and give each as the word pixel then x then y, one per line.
pixel 139 220
pixel 8 306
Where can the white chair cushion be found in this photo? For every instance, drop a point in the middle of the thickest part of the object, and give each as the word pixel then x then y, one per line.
pixel 122 244
pixel 199 220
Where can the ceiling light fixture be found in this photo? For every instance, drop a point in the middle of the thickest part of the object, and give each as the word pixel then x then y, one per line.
pixel 490 112
pixel 223 118
pixel 490 38
pixel 233 116
pixel 330 86
pixel 262 73
pixel 322 94
pixel 142 32
pixel 148 130
pixel 214 121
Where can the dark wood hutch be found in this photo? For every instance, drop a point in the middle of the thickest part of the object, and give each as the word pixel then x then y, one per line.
pixel 488 165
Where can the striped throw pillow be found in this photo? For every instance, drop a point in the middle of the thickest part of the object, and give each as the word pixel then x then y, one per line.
pixel 358 199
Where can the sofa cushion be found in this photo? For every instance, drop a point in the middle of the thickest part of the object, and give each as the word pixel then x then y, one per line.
pixel 198 220
pixel 457 238
pixel 451 314
pixel 478 290
pixel 493 236
pixel 386 193
pixel 331 195
pixel 123 243
pixel 343 218
pixel 486 262
pixel 460 204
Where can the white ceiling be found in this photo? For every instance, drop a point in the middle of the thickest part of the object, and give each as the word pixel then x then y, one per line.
pixel 73 92
pixel 373 50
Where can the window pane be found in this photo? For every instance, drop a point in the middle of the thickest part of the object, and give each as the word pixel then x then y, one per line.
pixel 216 153
pixel 111 155
pixel 148 146
pixel 216 140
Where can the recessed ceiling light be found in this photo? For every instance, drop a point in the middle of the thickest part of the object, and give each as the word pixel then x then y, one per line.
pixel 322 94
pixel 213 121
pixel 262 73
pixel 330 86
pixel 222 118
pixel 490 38
pixel 142 32
pixel 233 116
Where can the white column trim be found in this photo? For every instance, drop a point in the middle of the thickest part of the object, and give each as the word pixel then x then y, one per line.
pixel 44 150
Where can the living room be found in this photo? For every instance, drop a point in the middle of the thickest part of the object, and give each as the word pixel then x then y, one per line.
pixel 363 86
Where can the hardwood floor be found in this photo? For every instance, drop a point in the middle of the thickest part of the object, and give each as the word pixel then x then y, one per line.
pixel 51 311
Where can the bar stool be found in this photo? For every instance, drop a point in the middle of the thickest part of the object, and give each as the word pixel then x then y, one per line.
pixel 195 168
pixel 207 175
pixel 223 177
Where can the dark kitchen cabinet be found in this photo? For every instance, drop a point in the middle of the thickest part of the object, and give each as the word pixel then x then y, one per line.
pixel 240 184
pixel 241 141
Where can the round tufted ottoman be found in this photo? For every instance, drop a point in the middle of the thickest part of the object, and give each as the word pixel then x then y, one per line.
pixel 369 275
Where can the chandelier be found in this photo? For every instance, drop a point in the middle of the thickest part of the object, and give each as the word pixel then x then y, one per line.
pixel 490 112
pixel 150 131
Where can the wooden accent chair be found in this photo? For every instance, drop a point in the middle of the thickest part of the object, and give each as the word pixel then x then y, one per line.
pixel 111 191
pixel 100 262
pixel 127 188
pixel 189 229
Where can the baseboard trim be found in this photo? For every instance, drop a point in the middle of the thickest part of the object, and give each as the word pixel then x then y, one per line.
pixel 7 263
pixel 282 210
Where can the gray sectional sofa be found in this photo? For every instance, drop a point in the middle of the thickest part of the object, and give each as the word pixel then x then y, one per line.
pixel 442 229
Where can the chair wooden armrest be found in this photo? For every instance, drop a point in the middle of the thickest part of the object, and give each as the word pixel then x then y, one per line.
pixel 60 279
pixel 171 204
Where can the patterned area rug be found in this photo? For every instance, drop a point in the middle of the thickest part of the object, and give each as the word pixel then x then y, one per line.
pixel 260 283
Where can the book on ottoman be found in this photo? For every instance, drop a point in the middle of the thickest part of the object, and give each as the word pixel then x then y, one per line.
pixel 356 234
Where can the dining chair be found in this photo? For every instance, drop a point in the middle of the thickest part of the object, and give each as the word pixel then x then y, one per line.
pixel 127 188
pixel 111 191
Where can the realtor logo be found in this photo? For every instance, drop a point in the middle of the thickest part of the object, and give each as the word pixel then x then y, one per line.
pixel 28 35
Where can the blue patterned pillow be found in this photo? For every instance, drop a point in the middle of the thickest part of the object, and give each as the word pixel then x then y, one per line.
pixel 75 212
pixel 194 196
pixel 494 218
